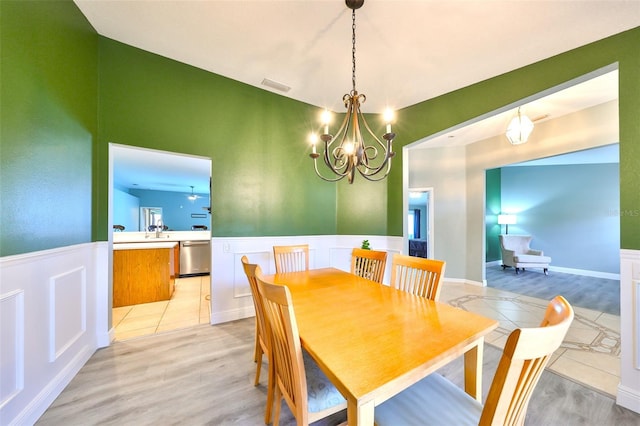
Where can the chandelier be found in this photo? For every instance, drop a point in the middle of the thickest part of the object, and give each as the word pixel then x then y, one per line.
pixel 347 150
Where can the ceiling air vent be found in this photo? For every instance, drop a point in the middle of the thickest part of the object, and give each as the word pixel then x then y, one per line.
pixel 275 85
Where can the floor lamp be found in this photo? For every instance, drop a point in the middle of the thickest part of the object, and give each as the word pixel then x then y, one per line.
pixel 506 219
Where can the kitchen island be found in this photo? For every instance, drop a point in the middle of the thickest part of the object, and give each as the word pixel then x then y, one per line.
pixel 143 272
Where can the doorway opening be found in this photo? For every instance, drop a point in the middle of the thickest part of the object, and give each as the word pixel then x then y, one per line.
pixel 419 224
pixel 178 187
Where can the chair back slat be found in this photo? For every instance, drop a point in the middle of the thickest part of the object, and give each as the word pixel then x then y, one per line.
pixel 286 349
pixel 250 272
pixel 292 258
pixel 416 275
pixel 369 264
pixel 262 342
pixel 525 356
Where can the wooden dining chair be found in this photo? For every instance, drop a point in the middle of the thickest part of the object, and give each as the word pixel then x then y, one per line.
pixel 417 275
pixel 261 346
pixel 307 391
pixel 291 258
pixel 435 400
pixel 368 264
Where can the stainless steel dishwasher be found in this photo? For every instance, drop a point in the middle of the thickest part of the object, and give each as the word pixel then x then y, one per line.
pixel 195 258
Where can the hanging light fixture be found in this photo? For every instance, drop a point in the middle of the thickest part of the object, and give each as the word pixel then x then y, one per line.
pixel 347 151
pixel 519 129
pixel 193 196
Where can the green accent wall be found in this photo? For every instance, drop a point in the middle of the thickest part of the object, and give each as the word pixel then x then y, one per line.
pixel 493 205
pixel 48 116
pixel 443 112
pixel 66 93
pixel 263 183
pixel 362 207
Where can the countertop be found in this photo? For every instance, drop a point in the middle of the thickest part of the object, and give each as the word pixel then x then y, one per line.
pixel 145 246
pixel 165 236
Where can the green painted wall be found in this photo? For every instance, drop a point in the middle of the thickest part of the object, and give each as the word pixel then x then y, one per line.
pixel 57 76
pixel 362 207
pixel 48 91
pixel 493 208
pixel 443 112
pixel 262 178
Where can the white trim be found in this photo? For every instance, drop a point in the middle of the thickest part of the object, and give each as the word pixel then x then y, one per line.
pixel 57 348
pixel 38 405
pixel 629 387
pixel 582 272
pixel 585 272
pixel 628 398
pixel 17 296
pixel 230 302
pixel 446 280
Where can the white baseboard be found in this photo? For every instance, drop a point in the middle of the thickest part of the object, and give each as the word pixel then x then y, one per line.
pixel 628 398
pixel 464 281
pixel 232 315
pixel 583 272
pixel 38 405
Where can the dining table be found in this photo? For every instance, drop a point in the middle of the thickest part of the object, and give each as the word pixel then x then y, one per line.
pixel 373 341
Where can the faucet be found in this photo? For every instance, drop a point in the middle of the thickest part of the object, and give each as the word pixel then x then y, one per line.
pixel 159 227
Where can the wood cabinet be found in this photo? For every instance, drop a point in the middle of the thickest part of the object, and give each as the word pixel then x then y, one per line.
pixel 143 274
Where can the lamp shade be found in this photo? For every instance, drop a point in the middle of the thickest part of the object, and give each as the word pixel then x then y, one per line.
pixel 519 129
pixel 506 219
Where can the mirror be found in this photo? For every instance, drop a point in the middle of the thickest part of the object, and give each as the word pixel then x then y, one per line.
pixel 157 185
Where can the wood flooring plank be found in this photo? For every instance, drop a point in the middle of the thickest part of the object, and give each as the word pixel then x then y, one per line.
pixel 204 376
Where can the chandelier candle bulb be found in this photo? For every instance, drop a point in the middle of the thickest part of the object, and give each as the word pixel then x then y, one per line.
pixel 388 117
pixel 326 118
pixel 313 139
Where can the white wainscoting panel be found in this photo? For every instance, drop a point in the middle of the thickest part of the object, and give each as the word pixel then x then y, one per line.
pixel 629 388
pixel 67 310
pixel 11 345
pixel 241 286
pixel 230 292
pixel 50 303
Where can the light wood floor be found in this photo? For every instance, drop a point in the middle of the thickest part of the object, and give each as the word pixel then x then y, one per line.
pixel 203 375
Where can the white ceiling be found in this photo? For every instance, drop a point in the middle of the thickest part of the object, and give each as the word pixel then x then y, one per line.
pixel 585 94
pixel 407 50
pixel 141 168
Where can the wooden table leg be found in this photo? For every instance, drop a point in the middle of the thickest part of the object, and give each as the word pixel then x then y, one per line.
pixel 360 414
pixel 473 370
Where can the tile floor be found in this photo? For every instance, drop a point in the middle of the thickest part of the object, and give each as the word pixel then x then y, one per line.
pixel 590 353
pixel 189 306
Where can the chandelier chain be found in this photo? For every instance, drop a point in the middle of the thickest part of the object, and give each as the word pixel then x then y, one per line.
pixel 353 49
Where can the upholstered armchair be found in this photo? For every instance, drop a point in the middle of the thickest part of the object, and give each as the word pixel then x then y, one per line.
pixel 516 253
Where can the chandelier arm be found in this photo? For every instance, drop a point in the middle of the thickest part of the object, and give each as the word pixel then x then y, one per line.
pixel 337 155
pixel 340 176
pixel 373 135
pixel 370 177
pixel 341 130
pixel 348 151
